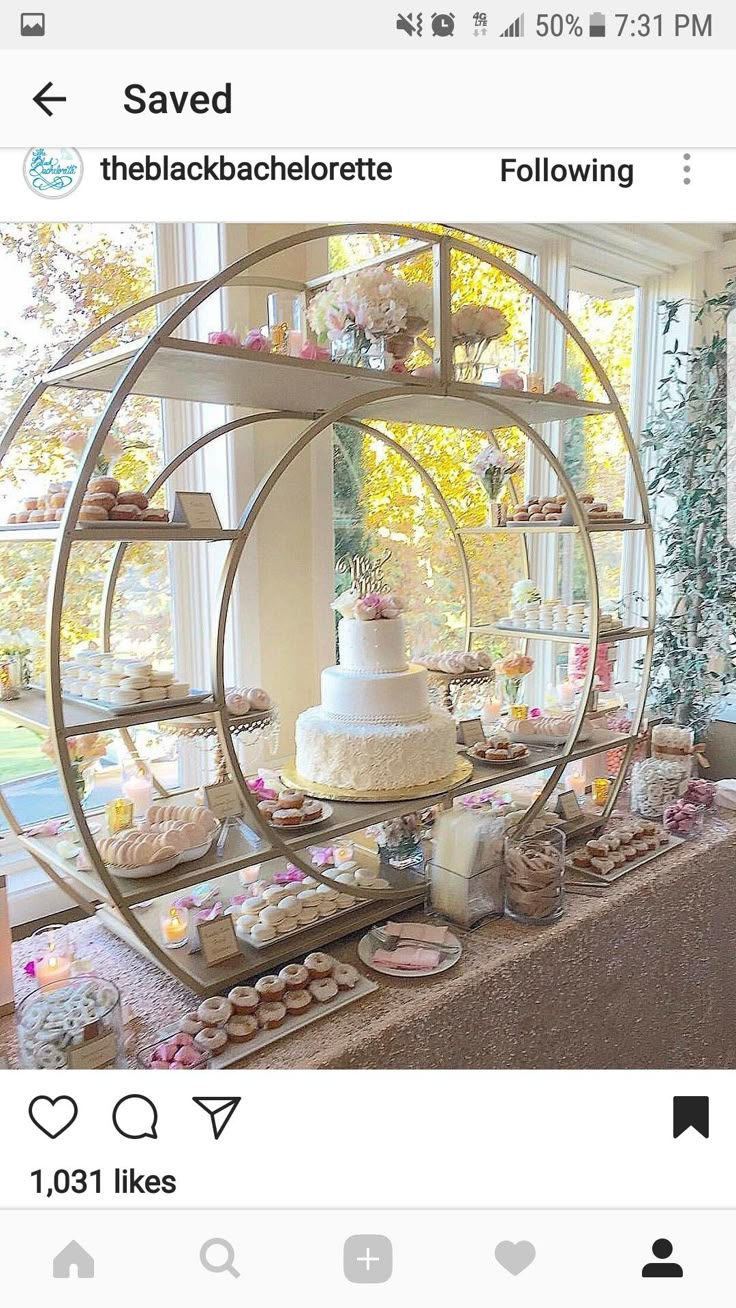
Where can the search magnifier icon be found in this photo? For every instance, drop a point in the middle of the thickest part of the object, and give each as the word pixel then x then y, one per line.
pixel 218 1256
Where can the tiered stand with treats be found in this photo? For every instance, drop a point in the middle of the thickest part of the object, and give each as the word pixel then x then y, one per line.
pixel 317 391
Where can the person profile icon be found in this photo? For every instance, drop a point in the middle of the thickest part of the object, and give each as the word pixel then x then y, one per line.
pixel 662 1249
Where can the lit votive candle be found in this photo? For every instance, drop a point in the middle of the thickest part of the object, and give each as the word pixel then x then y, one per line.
pixel 566 693
pixel 342 854
pixel 519 711
pixel 139 790
pixel 175 927
pixel 600 787
pixel 53 970
pixel 577 784
pixel 119 814
pixel 492 709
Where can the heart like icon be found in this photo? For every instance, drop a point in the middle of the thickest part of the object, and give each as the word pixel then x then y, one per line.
pixel 515 1258
pixel 53 1116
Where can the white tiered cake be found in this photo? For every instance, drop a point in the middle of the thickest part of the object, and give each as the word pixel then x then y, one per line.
pixel 374 730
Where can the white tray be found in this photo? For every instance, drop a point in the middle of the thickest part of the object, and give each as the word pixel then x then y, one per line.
pixel 578 877
pixel 120 710
pixel 287 935
pixel 235 1053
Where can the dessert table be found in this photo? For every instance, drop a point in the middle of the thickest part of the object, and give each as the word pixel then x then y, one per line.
pixel 642 977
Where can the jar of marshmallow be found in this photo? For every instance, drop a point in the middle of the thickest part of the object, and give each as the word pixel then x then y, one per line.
pixel 74 1026
pixel 674 745
pixel 655 784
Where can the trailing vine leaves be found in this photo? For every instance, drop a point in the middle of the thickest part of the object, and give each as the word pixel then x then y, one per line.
pixel 695 643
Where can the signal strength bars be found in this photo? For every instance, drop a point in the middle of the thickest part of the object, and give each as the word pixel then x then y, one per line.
pixel 516 28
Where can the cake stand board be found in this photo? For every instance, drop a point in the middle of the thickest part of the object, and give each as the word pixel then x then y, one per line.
pixel 462 772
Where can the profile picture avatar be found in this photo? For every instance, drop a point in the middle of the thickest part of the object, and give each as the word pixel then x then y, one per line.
pixel 52 171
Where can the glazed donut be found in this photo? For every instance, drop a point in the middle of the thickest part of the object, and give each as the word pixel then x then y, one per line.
pixel 268 807
pixel 345 976
pixel 244 999
pixel 190 1024
pixel 125 513
pixel 271 1015
pixel 58 500
pixel 216 1011
pixel 270 988
pixel 91 513
pixel 103 486
pixel 287 817
pixel 323 991
pixel 241 1029
pixel 295 975
pixel 210 1041
pixel 101 501
pixel 152 514
pixel 134 497
pixel 319 966
pixel 296 1001
pixel 291 798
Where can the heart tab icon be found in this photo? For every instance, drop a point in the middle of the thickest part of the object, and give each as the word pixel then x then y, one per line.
pixel 515 1258
pixel 53 1116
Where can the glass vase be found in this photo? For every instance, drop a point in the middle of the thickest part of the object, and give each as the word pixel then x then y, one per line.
pixel 512 689
pixel 11 677
pixel 75 1026
pixel 285 312
pixel 407 852
pixel 535 869
pixel 352 347
pixel 81 782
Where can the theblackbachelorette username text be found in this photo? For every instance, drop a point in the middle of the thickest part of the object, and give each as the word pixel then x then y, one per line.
pixel 221 168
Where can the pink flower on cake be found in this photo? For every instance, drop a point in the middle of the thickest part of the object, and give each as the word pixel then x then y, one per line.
pixel 368 607
pixel 226 338
pixel 391 606
pixel 255 340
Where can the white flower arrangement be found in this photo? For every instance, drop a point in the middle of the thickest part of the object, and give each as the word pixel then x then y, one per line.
pixel 478 322
pixel 493 468
pixel 373 299
pixel 524 592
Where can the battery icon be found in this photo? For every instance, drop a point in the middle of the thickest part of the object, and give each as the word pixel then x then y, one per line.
pixel 597 25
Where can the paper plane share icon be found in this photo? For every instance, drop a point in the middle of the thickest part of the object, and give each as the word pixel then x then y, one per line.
pixel 219 1111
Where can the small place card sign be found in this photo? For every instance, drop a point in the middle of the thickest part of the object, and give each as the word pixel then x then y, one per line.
pixel 568 806
pixel 218 940
pixel 91 1054
pixel 470 732
pixel 196 509
pixel 223 800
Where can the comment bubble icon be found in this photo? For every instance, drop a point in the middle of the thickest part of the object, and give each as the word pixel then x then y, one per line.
pixel 135 1117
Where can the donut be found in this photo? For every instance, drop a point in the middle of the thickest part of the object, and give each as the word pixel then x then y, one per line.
pixel 345 976
pixel 271 1015
pixel 241 1029
pixel 190 1024
pixel 244 999
pixel 91 513
pixel 102 501
pixel 58 500
pixel 296 1001
pixel 267 807
pixel 125 513
pixel 152 514
pixel 216 1011
pixel 210 1041
pixel 291 799
pixel 270 988
pixel 138 498
pixel 319 966
pixel 103 486
pixel 295 976
pixel 323 991
pixel 30 503
pixel 287 817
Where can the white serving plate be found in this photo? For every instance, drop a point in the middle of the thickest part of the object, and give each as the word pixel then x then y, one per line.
pixel 120 710
pixel 366 949
pixel 498 762
pixel 531 739
pixel 575 877
pixel 234 1053
pixel 327 811
pixel 287 935
pixel 166 864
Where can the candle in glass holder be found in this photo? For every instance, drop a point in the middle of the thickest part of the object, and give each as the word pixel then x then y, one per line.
pixel 519 711
pixel 342 854
pixel 139 790
pixel 175 927
pixel 53 970
pixel 576 782
pixel 600 787
pixel 119 814
pixel 566 693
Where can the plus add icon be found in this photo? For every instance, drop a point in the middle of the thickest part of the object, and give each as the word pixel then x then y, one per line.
pixel 368 1259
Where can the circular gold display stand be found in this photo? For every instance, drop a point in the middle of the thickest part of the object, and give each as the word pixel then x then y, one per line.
pixel 462 772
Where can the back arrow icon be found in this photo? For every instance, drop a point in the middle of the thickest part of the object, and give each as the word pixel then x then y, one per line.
pixel 43 100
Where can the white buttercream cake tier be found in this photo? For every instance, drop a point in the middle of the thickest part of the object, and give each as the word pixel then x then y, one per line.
pixel 370 697
pixel 377 646
pixel 374 756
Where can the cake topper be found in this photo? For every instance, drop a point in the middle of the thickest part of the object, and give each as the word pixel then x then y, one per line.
pixel 366 574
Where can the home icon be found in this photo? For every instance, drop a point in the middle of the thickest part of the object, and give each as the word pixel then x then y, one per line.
pixel 74 1261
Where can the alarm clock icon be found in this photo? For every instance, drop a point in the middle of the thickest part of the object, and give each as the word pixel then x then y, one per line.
pixel 443 24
